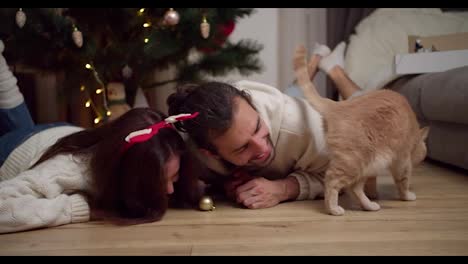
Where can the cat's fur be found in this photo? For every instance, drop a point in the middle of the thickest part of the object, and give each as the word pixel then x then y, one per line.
pixel 365 135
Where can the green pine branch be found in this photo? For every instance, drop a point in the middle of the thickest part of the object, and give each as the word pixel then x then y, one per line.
pixel 115 37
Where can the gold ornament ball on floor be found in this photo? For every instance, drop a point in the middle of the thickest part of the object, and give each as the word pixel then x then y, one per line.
pixel 206 204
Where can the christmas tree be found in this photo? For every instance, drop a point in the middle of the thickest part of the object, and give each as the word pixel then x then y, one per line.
pixel 96 46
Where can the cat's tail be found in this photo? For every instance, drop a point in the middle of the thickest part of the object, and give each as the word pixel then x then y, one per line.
pixel 304 82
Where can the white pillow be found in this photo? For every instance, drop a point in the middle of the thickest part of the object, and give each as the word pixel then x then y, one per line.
pixel 369 59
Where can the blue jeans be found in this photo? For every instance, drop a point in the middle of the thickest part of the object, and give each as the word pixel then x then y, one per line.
pixel 16 126
pixel 294 91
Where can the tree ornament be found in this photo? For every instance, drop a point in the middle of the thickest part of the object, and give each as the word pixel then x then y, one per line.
pixel 223 31
pixel 171 17
pixel 127 72
pixel 205 28
pixel 194 56
pixel 227 29
pixel 206 204
pixel 20 18
pixel 77 37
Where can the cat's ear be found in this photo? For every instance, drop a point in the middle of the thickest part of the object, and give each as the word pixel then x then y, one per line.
pixel 424 132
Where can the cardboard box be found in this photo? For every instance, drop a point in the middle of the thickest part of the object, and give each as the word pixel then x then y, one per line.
pixel 426 62
pixel 456 41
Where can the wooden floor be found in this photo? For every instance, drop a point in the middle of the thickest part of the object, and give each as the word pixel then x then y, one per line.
pixel 435 224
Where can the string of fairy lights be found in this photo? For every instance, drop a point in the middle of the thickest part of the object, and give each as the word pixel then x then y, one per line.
pixel 171 18
pixel 102 90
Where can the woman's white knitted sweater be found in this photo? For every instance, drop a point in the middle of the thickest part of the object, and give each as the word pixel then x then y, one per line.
pixel 51 193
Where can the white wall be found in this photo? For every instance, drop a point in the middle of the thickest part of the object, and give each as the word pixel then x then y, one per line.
pixel 261 26
pixel 280 30
pixel 293 28
pixel 316 19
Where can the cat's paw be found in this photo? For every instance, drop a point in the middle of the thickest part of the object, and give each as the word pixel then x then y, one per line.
pixel 336 210
pixel 372 206
pixel 408 196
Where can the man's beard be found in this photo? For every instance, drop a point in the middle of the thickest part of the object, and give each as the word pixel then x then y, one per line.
pixel 253 167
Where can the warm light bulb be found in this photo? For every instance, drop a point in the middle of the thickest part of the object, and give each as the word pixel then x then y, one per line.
pixel 141 10
pixel 88 66
pixel 108 113
pixel 147 24
pixel 96 120
pixel 146 40
pixel 98 91
pixel 82 88
pixel 88 103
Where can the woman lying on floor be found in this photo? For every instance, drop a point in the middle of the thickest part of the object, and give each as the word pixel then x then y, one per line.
pixel 124 171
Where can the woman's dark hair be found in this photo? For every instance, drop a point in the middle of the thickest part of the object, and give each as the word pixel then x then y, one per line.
pixel 215 103
pixel 128 187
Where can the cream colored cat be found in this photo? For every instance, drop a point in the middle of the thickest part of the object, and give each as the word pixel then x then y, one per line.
pixel 365 135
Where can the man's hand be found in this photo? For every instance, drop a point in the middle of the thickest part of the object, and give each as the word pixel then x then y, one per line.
pixel 262 193
pixel 230 186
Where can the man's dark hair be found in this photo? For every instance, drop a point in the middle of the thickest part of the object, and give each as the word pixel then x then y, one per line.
pixel 215 103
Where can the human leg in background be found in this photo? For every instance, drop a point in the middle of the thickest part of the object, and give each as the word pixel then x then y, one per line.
pixel 319 52
pixel 333 66
pixel 14 113
pixel 15 120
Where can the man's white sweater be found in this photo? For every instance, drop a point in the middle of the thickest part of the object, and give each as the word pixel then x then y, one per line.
pixel 296 130
pixel 51 193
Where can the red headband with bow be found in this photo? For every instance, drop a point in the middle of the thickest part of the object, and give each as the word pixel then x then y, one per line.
pixel 147 133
